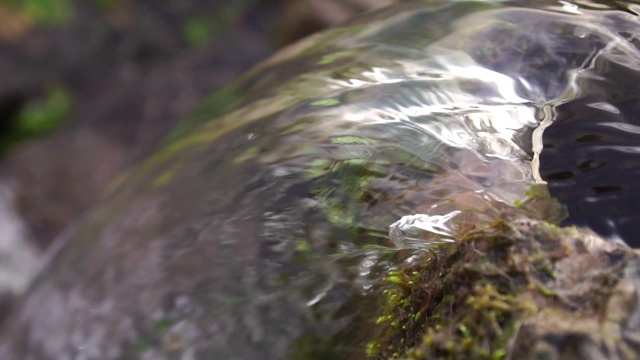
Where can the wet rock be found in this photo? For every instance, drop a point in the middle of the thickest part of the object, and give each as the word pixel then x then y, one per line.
pixel 519 289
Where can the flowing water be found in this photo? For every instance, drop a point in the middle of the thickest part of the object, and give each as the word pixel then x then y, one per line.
pixel 263 228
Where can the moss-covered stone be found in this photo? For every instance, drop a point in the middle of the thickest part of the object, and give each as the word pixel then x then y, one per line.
pixel 519 289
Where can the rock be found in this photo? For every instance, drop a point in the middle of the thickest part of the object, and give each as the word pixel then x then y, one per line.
pixel 519 289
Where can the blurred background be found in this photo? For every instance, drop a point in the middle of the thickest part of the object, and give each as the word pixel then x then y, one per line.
pixel 89 88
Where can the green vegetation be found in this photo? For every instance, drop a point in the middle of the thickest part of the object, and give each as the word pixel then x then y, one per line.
pixel 341 187
pixel 198 31
pixel 45 114
pixel 44 12
pixel 36 117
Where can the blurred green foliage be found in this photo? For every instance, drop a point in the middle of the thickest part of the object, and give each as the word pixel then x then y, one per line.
pixel 199 30
pixel 45 114
pixel 44 12
pixel 36 117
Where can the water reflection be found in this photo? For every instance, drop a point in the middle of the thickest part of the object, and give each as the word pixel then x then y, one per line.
pixel 263 233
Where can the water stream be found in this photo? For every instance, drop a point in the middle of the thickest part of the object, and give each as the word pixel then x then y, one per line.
pixel 264 225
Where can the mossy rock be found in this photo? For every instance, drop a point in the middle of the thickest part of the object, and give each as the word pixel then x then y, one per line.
pixel 518 289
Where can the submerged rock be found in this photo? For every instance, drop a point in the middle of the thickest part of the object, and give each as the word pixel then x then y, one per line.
pixel 261 229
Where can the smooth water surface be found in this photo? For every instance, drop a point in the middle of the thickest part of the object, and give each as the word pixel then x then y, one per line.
pixel 264 226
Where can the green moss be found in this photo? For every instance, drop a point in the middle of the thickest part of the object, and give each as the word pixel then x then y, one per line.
pixel 539 205
pixel 468 299
pixel 341 189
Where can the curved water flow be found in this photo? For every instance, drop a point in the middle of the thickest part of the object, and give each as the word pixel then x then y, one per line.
pixel 262 227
